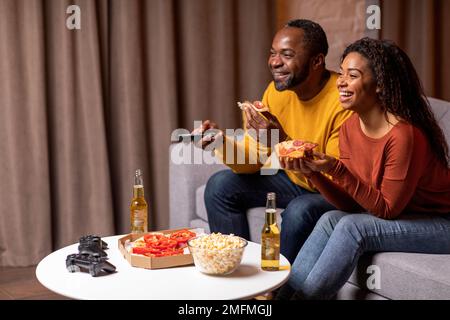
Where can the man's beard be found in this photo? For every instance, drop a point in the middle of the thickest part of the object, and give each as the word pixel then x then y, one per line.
pixel 293 80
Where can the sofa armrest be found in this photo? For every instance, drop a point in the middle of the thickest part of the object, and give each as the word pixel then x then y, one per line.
pixel 189 168
pixel 441 110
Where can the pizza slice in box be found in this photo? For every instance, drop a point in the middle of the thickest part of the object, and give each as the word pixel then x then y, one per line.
pixel 157 244
pixel 295 149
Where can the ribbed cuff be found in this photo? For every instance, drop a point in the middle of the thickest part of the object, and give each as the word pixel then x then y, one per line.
pixel 337 170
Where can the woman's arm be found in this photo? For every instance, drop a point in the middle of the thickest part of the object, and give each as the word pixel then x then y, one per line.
pixel 334 193
pixel 404 162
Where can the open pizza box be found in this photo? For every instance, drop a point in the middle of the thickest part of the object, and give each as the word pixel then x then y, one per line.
pixel 141 261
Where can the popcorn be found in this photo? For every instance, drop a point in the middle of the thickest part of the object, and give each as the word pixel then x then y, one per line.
pixel 217 253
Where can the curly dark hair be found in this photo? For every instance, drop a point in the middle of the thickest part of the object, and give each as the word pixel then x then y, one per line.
pixel 314 38
pixel 401 92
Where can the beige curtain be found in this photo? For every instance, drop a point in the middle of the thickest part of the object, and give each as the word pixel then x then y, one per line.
pixel 80 110
pixel 422 29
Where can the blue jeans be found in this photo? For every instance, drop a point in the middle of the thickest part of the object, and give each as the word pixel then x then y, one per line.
pixel 228 196
pixel 298 221
pixel 331 252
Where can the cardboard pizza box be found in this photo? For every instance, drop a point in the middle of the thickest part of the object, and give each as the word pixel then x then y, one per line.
pixel 141 261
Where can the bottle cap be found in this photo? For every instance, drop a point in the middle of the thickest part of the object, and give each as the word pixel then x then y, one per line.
pixel 271 196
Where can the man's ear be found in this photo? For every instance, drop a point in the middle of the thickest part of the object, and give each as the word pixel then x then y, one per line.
pixel 318 61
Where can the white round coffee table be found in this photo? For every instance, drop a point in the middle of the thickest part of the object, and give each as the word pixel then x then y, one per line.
pixel 179 283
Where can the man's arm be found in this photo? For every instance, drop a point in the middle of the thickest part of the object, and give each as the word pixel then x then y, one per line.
pixel 242 155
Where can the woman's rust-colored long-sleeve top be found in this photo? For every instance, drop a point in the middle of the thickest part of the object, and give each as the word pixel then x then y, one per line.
pixel 386 176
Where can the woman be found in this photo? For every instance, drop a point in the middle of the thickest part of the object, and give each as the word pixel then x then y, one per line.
pixel 392 181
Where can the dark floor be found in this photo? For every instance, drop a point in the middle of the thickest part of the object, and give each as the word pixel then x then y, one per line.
pixel 22 284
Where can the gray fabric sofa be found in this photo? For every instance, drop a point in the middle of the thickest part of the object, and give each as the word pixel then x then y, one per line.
pixel 402 275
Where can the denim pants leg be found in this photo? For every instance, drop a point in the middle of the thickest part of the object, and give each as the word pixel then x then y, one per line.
pixel 331 253
pixel 298 221
pixel 228 196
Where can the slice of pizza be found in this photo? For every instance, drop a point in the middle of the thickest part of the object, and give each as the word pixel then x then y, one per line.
pixel 258 106
pixel 295 149
pixel 158 244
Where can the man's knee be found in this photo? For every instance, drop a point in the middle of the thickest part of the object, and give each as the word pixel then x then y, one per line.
pixel 218 184
pixel 306 207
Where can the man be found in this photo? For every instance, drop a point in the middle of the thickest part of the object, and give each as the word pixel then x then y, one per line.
pixel 304 104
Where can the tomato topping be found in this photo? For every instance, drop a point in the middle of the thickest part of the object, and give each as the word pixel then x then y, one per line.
pixel 290 150
pixel 184 233
pixel 258 104
pixel 164 244
pixel 144 250
pixel 298 143
pixel 159 245
pixel 309 145
pixel 182 236
pixel 152 237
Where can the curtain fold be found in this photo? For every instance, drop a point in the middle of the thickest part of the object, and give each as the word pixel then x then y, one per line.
pixel 80 189
pixel 25 195
pixel 80 110
pixel 422 29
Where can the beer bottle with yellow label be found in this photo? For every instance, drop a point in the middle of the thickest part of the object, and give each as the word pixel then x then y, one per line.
pixel 270 237
pixel 138 207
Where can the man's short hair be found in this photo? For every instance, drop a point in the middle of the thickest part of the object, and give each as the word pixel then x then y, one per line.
pixel 314 38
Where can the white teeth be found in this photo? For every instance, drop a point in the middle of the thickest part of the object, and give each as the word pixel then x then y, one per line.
pixel 345 93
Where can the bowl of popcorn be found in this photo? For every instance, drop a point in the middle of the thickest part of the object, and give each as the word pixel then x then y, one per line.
pixel 216 253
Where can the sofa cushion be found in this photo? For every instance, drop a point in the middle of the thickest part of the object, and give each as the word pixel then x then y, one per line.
pixel 407 275
pixel 255 216
pixel 352 292
pixel 441 110
pixel 200 203
pixel 199 223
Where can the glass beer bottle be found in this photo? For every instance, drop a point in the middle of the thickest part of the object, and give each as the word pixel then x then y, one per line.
pixel 138 207
pixel 270 237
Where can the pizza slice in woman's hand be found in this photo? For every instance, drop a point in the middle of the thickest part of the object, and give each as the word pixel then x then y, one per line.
pixel 295 149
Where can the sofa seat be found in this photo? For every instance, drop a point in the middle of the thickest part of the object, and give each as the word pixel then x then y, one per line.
pixel 407 276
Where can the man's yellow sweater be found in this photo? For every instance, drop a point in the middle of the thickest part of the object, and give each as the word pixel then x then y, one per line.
pixel 317 120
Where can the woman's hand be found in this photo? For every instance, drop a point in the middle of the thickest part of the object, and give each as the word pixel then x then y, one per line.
pixel 295 164
pixel 307 166
pixel 321 162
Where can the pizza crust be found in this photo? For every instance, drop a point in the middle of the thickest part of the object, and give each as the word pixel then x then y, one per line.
pixel 244 104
